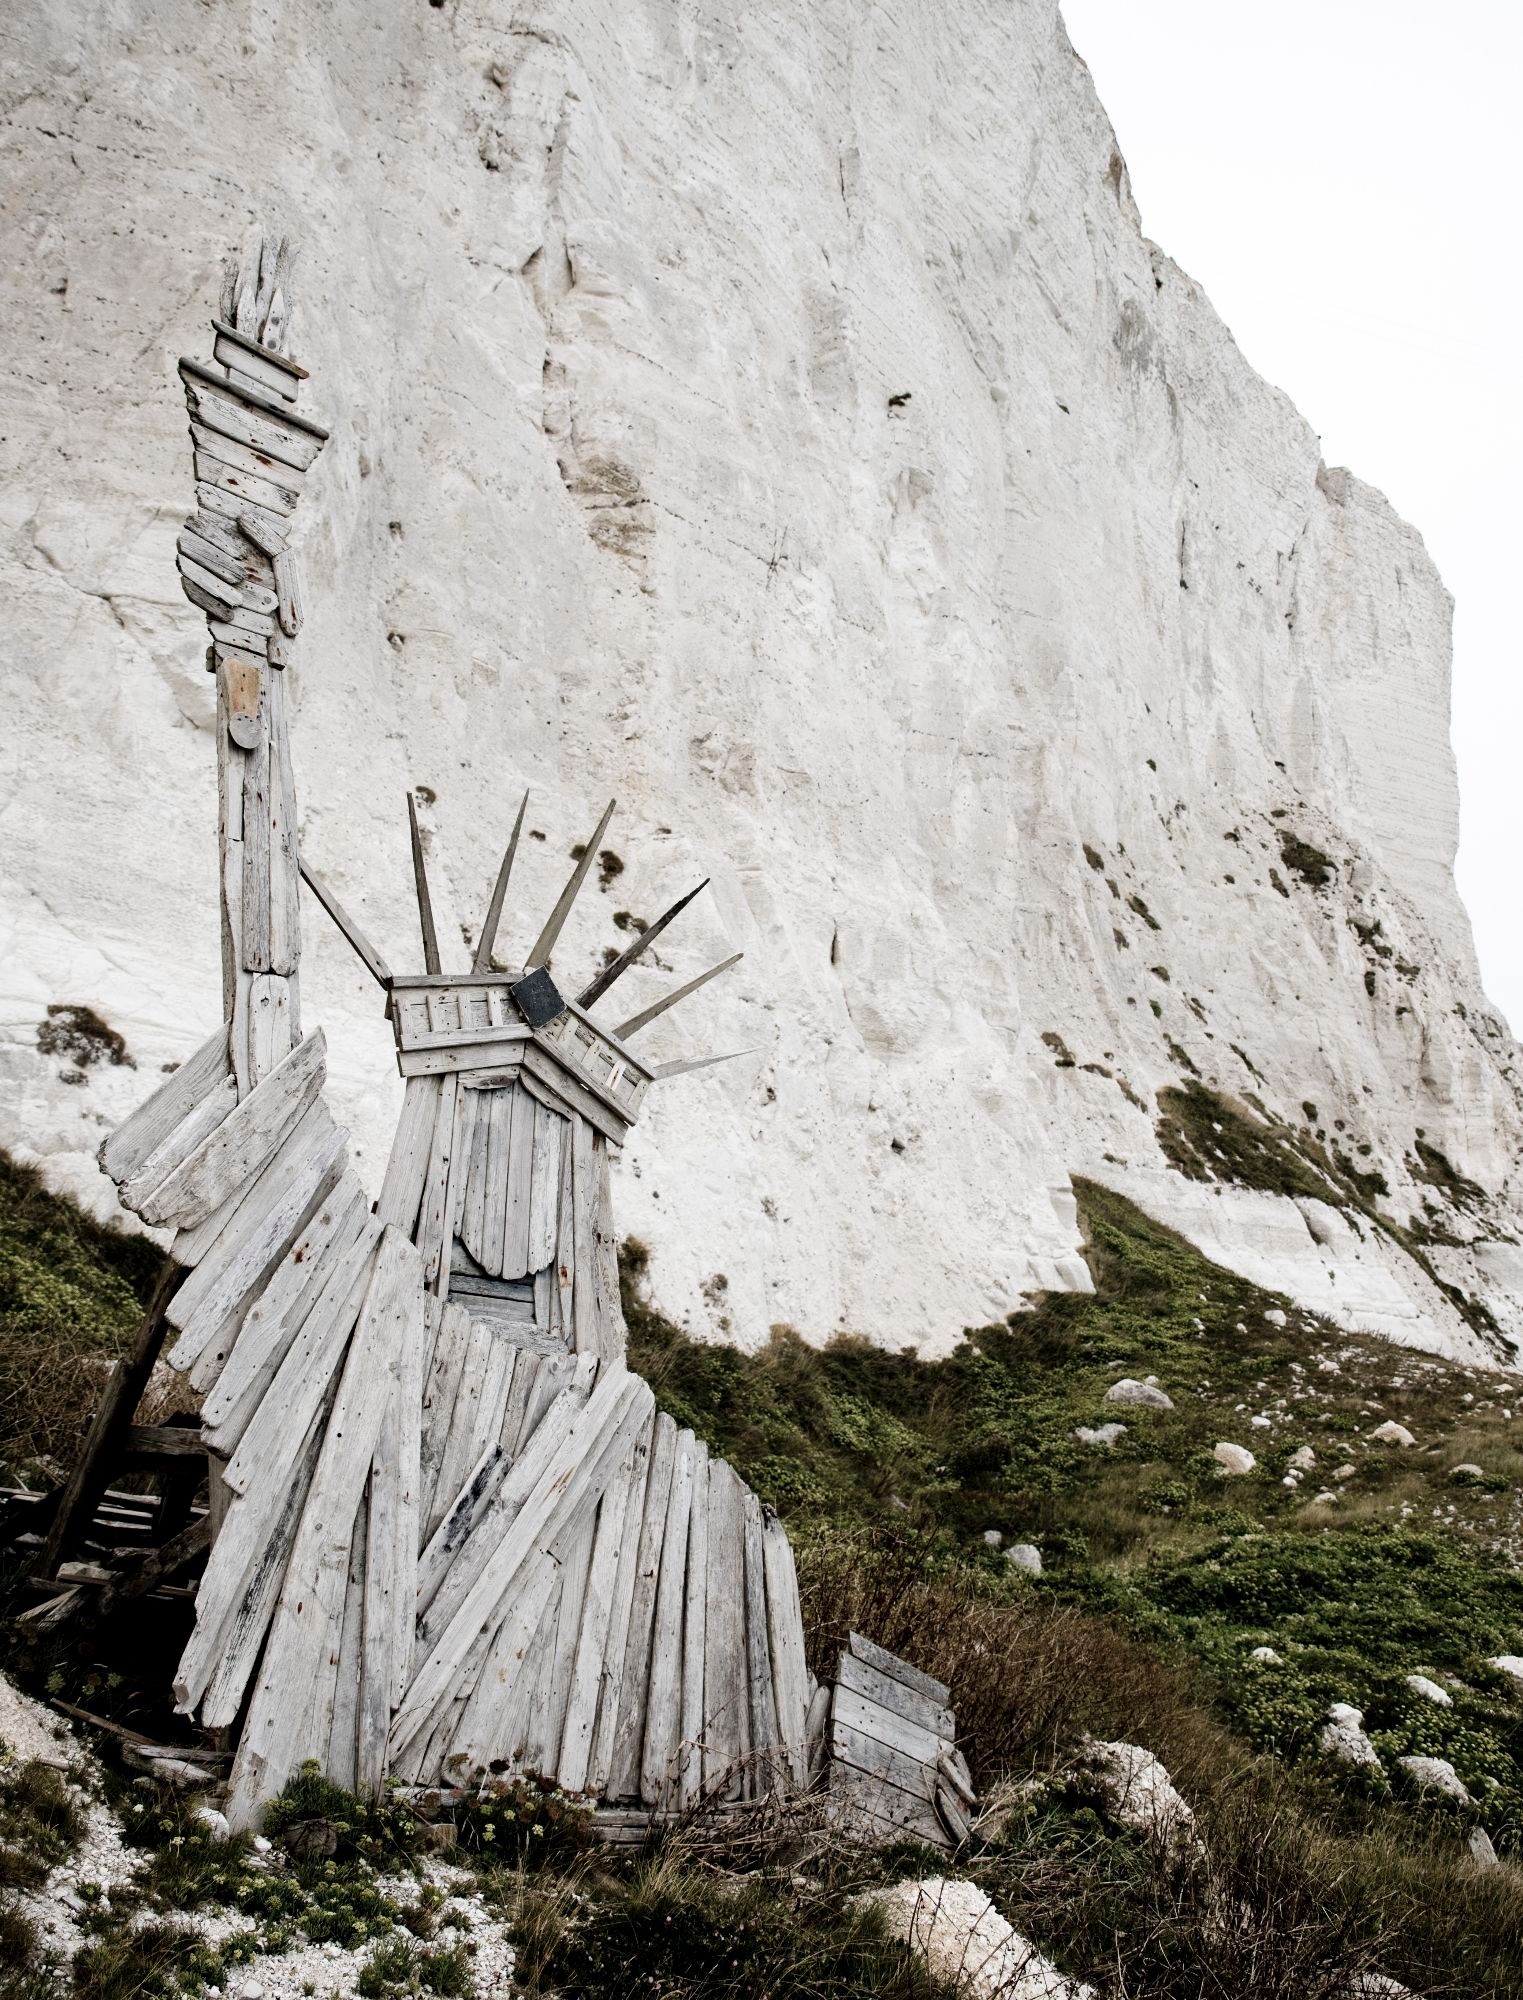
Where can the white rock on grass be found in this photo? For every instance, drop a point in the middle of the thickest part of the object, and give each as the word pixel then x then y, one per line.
pixel 1468 1474
pixel 1302 1460
pixel 1138 1793
pixel 1025 1556
pixel 1275 1317
pixel 968 1947
pixel 1392 1432
pixel 992 1538
pixel 1430 1690
pixel 1508 1663
pixel 1436 1774
pixel 1233 1458
pixel 1102 1434
pixel 1265 1654
pixel 1147 1394
pixel 1343 1737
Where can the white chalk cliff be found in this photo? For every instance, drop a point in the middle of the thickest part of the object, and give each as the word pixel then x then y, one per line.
pixel 776 418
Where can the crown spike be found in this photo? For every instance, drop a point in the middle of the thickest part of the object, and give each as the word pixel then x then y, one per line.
pixel 555 922
pixel 482 962
pixel 663 1071
pixel 616 967
pixel 374 964
pixel 637 1021
pixel 425 901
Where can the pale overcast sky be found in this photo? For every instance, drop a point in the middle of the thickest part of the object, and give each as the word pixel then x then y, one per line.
pixel 1341 177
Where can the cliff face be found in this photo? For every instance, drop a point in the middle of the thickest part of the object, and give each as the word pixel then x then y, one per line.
pixel 780 421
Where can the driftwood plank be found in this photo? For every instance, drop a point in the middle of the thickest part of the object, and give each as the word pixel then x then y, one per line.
pixel 547 1719
pixel 312 1598
pixel 865 1807
pixel 239 1588
pixel 242 1376
pixel 445 1369
pixel 589 1670
pixel 894 1695
pixel 582 1465
pixel 578 1096
pixel 285 870
pixel 565 1252
pixel 621 1604
pixel 588 1331
pixel 309 1364
pixel 198 1124
pixel 605 1261
pixel 663 1689
pixel 407 1167
pixel 480 1489
pixel 515 1240
pixel 230 1156
pixel 621 1738
pixel 854 1711
pixel 785 1630
pixel 765 1770
pixel 473 1208
pixel 213 1299
pixel 270 1022
pixel 227 505
pixel 493 1721
pixel 242 489
pixel 526 1372
pixel 872 1655
pixel 251 420
pixel 460 1448
pixel 434 1221
pixel 176 1097
pixel 342 1743
pixel 691 1734
pixel 499 1107
pixel 726 1709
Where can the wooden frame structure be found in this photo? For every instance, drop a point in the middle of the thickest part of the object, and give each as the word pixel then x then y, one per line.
pixel 446 1529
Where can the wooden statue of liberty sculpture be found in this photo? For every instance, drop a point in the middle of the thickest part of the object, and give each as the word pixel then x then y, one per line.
pixel 448 1530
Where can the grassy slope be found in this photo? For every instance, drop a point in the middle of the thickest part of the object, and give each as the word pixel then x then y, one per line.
pixel 1160 1576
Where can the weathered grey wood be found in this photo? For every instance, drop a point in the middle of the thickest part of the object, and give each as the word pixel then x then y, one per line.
pixel 343 1742
pixel 231 1155
pixel 250 420
pixel 817 1731
pixel 868 1808
pixel 243 489
pixel 545 1183
pixel 312 1601
pixel 196 1126
pixel 473 1209
pixel 369 957
pixel 565 1252
pixel 785 1627
pixel 483 959
pixel 555 1373
pixel 210 1304
pixel 434 1221
pixel 309 1365
pixel 515 1242
pixel 621 1603
pixel 952 1770
pixel 210 556
pixel 949 1811
pixel 450 1352
pixel 500 1051
pixel 663 1698
pixel 895 1695
pixel 407 1167
pixel 460 1448
pixel 616 968
pixel 544 944
pixel 270 1022
pixel 621 1759
pixel 391 1584
pixel 725 1701
pixel 229 596
pixel 226 537
pixel 420 883
pixel 239 1588
pixel 230 507
pixel 648 1014
pixel 872 1655
pixel 288 588
pixel 235 351
pixel 547 1718
pixel 598 1431
pixel 588 1334
pixel 134 1141
pixel 575 1092
pixel 605 1259
pixel 499 1108
pixel 692 1719
pixel 850 1710
pixel 495 1713
pixel 460 1517
pixel 765 1771
pixel 284 872
pixel 239 1378
pixel 515 1425
pixel 268 536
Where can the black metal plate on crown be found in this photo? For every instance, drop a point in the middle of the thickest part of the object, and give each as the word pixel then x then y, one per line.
pixel 537 998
